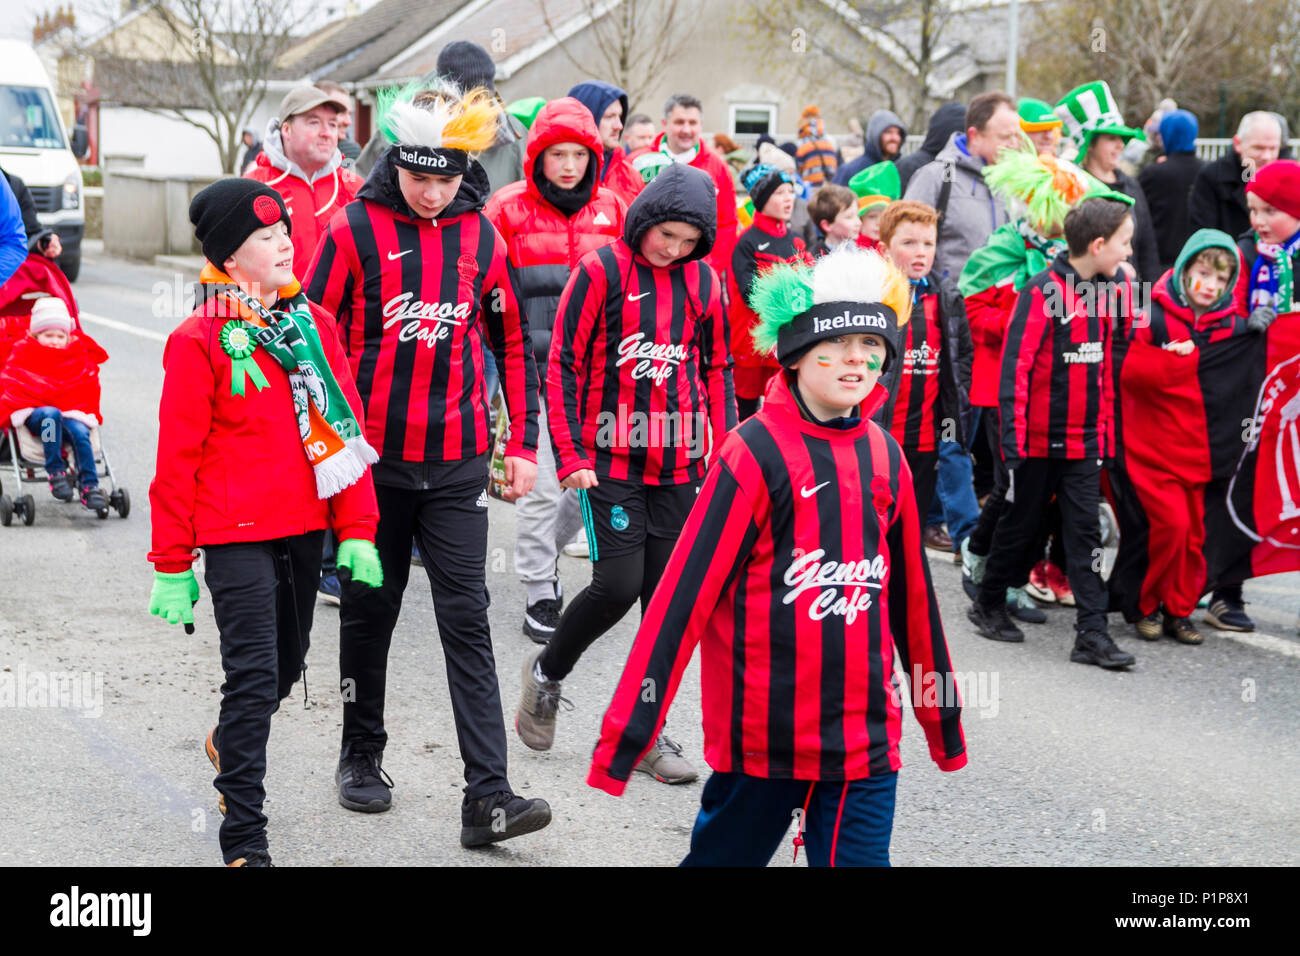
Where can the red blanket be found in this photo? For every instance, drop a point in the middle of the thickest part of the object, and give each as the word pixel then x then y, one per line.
pixel 36 375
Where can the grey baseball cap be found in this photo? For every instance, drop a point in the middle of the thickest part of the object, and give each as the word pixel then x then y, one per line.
pixel 306 98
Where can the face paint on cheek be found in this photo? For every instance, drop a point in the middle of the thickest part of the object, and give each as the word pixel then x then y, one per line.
pixel 824 361
pixel 874 362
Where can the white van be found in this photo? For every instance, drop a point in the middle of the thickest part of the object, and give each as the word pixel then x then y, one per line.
pixel 34 146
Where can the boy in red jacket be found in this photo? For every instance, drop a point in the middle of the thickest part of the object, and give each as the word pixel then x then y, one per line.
pixel 799 573
pixel 260 448
pixel 766 242
pixel 639 396
pixel 50 386
pixel 549 220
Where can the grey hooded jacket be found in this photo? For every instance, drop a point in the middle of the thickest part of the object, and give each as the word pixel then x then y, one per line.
pixel 973 212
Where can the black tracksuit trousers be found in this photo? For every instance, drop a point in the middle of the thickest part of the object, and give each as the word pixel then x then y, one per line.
pixel 449 524
pixel 263 595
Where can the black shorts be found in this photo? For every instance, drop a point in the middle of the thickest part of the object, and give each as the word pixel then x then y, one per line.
pixel 620 515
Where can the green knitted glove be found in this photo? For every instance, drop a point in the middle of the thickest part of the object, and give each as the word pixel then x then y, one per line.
pixel 361 559
pixel 173 596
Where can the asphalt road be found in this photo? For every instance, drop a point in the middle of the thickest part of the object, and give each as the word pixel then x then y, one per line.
pixel 1189 758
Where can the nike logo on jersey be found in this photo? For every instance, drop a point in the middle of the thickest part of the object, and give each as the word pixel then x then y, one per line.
pixel 637 297
pixel 763 245
pixel 809 492
pixel 600 220
pixel 392 256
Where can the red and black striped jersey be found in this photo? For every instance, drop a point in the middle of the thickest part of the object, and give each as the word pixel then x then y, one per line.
pixel 800 573
pixel 414 299
pixel 1056 392
pixel 639 378
pixel 765 243
pixel 915 423
pixel 1167 319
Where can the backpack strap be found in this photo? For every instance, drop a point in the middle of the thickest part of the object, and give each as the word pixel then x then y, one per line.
pixel 945 191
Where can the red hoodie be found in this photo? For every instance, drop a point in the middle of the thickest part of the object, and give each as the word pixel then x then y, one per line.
pixel 233 468
pixel 800 572
pixel 544 245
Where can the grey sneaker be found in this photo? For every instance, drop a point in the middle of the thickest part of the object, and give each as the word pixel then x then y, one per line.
pixel 972 569
pixel 666 764
pixel 538 703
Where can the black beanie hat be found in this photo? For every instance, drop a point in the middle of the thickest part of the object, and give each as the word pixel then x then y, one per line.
pixel 468 64
pixel 229 211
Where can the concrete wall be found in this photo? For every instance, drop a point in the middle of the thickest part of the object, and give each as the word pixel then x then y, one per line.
pixel 147 214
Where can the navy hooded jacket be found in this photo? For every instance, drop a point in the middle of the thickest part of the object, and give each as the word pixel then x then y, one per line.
pixel 1168 182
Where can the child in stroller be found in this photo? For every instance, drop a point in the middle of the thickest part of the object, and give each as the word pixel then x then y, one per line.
pixel 50 385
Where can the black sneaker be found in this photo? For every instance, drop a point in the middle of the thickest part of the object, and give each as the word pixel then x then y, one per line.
pixel 1228 616
pixel 541 619
pixel 93 498
pixel 60 487
pixel 994 623
pixel 363 785
pixel 253 858
pixel 1096 647
pixel 500 816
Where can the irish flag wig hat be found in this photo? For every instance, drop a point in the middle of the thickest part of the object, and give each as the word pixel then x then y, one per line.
pixel 1036 188
pixel 849 291
pixel 434 131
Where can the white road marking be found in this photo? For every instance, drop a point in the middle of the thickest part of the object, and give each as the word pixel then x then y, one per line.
pixel 1262 642
pixel 122 327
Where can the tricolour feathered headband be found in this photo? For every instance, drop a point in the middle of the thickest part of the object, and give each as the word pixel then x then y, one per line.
pixel 435 131
pixel 849 291
pixel 1037 188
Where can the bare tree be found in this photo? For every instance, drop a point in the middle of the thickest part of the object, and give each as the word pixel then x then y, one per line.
pixel 1217 60
pixel 210 57
pixel 635 40
pixel 881 45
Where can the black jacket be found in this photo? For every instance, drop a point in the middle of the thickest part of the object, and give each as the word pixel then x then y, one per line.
pixel 36 233
pixel 1218 198
pixel 1167 186
pixel 947 119
pixel 1146 254
pixel 955 361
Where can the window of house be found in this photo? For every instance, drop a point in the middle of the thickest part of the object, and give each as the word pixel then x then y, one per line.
pixel 753 118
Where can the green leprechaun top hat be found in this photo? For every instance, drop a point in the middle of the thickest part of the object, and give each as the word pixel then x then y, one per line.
pixel 1036 116
pixel 1090 109
pixel 876 185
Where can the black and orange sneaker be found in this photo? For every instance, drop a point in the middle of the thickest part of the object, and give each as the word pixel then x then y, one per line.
pixel 253 858
pixel 211 749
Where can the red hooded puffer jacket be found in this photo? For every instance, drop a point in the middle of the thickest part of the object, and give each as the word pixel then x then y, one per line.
pixel 544 245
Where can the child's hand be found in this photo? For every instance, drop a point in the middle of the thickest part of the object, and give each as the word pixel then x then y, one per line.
pixel 521 475
pixel 582 478
pixel 173 597
pixel 1181 347
pixel 361 560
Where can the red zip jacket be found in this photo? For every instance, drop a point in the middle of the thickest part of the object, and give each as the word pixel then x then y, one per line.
pixel 543 243
pixel 233 468
pixel 414 298
pixel 1056 394
pixel 1170 320
pixel 799 573
pixel 765 243
pixel 624 181
pixel 310 205
pixel 988 312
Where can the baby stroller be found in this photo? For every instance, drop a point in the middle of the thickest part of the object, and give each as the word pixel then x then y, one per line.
pixel 19 448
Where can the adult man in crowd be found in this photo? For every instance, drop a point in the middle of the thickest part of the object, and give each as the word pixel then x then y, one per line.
pixel 680 142
pixel 608 106
pixel 953 183
pixel 882 140
pixel 347 145
pixel 968 214
pixel 1218 197
pixel 639 134
pixel 300 160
